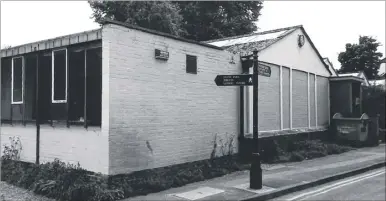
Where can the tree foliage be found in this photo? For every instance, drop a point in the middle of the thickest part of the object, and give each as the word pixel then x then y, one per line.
pixel 361 57
pixel 158 15
pixel 197 20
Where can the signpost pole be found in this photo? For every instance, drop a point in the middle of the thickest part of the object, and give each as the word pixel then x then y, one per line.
pixel 255 174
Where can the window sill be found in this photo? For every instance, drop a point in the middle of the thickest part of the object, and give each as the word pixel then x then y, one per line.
pixel 55 123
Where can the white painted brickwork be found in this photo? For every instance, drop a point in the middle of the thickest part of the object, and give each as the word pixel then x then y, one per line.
pixel 287 53
pixel 154 114
pixel 299 99
pixel 269 100
pixel 312 100
pixel 286 98
pixel 159 114
pixel 72 145
pixel 268 103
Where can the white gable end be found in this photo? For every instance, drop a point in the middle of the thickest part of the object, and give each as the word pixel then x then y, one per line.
pixel 286 52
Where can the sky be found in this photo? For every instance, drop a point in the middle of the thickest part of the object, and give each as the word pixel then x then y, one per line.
pixel 330 24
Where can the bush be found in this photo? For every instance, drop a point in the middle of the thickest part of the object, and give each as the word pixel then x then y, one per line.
pixel 58 180
pixel 296 156
pixel 374 103
pixel 309 149
pixel 63 181
pixel 69 182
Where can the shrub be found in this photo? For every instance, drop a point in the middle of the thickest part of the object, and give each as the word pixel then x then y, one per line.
pixel 70 182
pixel 296 156
pixel 309 149
pixel 12 151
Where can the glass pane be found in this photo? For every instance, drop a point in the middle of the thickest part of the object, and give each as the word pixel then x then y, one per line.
pixel 60 75
pixel 191 64
pixel 18 79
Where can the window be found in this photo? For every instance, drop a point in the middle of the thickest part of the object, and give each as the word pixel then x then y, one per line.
pixel 191 64
pixel 59 76
pixel 17 85
pixel 60 86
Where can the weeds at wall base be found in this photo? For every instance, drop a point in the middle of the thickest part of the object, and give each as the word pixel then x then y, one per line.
pixel 70 182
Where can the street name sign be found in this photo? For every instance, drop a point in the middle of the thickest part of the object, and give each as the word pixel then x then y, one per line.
pixel 234 80
pixel 264 70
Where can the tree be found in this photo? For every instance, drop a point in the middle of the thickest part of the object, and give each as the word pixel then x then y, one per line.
pixel 157 15
pixel 361 57
pixel 206 20
pixel 6 47
pixel 197 20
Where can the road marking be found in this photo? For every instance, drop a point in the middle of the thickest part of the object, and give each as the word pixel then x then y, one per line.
pixel 337 185
pixel 342 185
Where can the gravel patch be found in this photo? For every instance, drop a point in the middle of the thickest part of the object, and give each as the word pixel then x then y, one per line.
pixel 12 193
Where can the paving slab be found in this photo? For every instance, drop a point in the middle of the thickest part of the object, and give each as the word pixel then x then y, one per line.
pixel 235 186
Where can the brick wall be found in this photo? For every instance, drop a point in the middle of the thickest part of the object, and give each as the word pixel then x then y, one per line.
pixel 72 145
pixel 312 100
pixel 299 99
pixel 286 97
pixel 322 101
pixel 269 100
pixel 160 115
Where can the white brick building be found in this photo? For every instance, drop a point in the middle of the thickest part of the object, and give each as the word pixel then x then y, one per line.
pixel 135 112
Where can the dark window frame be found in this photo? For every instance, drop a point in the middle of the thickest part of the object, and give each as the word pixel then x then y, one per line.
pixel 53 100
pixel 22 81
pixel 191 69
pixel 51 65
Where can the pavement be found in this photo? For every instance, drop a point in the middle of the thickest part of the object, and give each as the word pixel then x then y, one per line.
pixel 279 179
pixel 366 186
pixel 9 192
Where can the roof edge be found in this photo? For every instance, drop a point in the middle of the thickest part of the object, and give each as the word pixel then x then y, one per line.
pixel 131 26
pixel 316 50
pixel 360 71
pixel 332 66
pixel 348 78
pixel 274 41
pixel 50 39
pixel 252 34
pixel 279 38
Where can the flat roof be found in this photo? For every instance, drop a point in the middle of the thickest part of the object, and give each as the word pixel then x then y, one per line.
pixel 57 42
pixel 346 78
pixel 83 37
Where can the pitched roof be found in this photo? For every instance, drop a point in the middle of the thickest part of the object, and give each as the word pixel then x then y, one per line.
pixel 328 62
pixel 245 44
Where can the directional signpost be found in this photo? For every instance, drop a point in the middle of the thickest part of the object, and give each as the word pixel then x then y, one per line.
pixel 233 80
pixel 255 177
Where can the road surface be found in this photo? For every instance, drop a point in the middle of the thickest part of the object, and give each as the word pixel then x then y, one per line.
pixel 367 186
